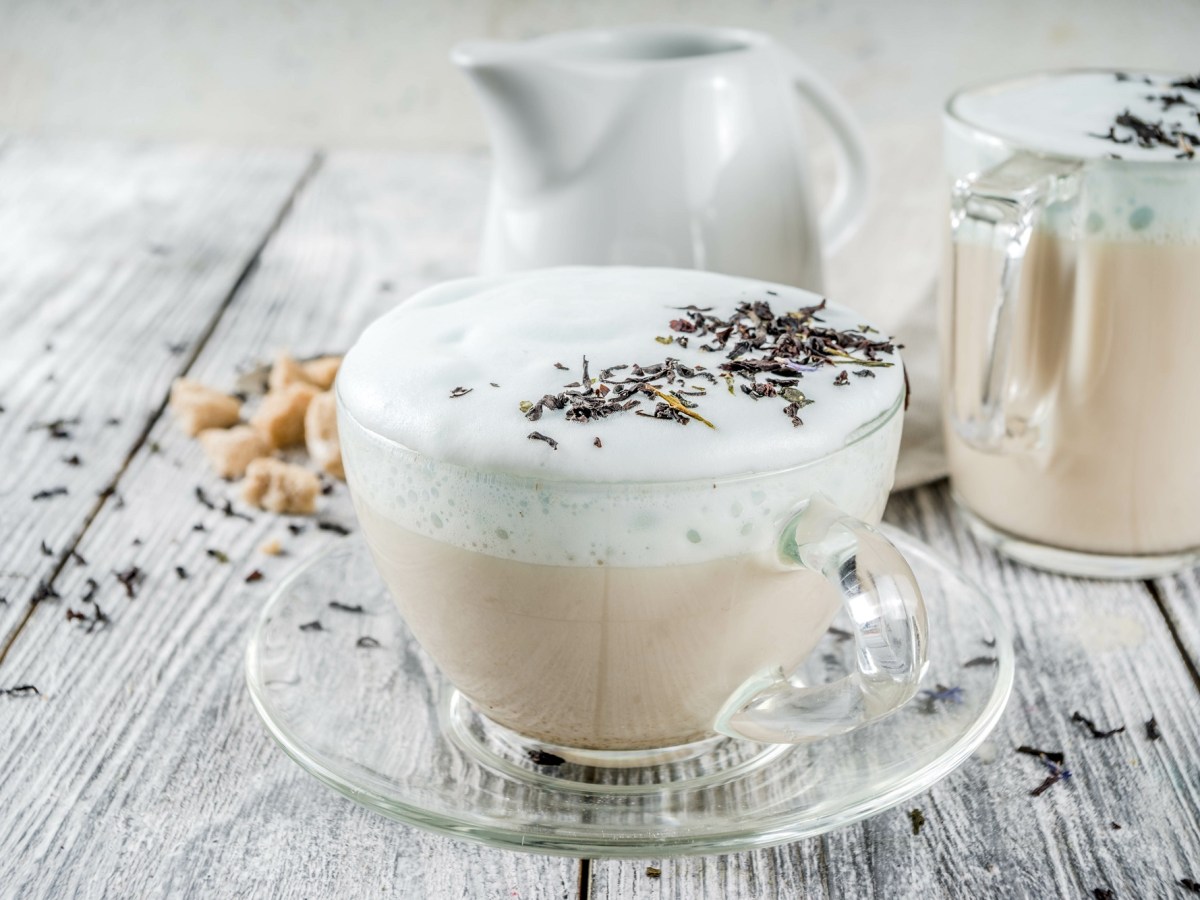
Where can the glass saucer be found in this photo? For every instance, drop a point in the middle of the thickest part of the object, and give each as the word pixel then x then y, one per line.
pixel 357 703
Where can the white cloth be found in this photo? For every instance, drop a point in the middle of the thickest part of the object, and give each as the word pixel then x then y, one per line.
pixel 888 270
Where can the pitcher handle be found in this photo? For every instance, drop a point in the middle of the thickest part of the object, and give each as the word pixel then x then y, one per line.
pixel 1002 207
pixel 848 205
pixel 880 594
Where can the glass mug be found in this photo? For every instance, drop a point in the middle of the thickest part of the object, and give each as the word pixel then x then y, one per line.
pixel 624 657
pixel 1069 328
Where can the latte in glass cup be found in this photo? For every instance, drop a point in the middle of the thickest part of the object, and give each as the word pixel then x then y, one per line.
pixel 587 489
pixel 1070 316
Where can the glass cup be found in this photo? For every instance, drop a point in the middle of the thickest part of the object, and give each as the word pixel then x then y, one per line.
pixel 1069 323
pixel 594 619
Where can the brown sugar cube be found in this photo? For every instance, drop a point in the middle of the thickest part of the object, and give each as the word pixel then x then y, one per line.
pixel 280 487
pixel 272 547
pixel 231 450
pixel 285 371
pixel 322 371
pixel 199 407
pixel 280 416
pixel 321 436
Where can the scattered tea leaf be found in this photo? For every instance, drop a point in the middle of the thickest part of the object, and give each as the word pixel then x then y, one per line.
pixel 89 621
pixel 231 513
pixel 131 579
pixel 940 693
pixel 367 642
pixel 47 493
pixel 918 820
pixel 980 661
pixel 346 607
pixel 314 625
pixel 1091 726
pixel 544 758
pixel 1055 756
pixel 43 592
pixel 21 690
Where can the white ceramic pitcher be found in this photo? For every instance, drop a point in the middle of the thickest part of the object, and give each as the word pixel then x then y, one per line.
pixel 659 145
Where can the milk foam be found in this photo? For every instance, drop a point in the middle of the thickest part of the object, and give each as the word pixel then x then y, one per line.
pixel 1057 114
pixel 657 492
pixel 511 330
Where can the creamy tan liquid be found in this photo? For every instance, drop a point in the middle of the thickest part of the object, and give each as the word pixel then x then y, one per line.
pixel 1106 371
pixel 599 657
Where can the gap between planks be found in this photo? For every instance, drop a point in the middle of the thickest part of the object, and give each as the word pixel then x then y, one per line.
pixel 1159 601
pixel 584 891
pixel 110 490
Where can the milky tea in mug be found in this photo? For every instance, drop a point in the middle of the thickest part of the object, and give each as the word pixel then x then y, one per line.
pixel 609 538
pixel 1071 318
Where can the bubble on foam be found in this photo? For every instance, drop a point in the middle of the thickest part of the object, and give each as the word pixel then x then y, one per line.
pixel 619 524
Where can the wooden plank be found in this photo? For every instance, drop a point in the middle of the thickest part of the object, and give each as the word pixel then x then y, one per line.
pixel 115 260
pixel 1099 648
pixel 1179 598
pixel 163 780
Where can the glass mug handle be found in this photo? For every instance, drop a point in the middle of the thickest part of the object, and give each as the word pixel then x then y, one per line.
pixel 881 596
pixel 1003 204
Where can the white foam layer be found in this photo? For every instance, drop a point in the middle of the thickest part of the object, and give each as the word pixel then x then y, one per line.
pixel 1060 114
pixel 511 330
pixel 1057 114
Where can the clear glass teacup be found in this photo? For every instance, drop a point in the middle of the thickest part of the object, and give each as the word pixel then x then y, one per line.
pixel 1070 319
pixel 598 618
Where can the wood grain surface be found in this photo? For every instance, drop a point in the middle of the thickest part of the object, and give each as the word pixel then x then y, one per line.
pixel 116 263
pixel 141 770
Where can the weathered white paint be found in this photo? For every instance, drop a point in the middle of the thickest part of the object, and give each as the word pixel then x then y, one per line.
pixel 114 262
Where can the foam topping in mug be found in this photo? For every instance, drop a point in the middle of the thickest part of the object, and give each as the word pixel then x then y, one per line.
pixel 1092 114
pixel 618 374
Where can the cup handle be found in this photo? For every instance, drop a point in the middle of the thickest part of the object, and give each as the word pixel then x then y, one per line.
pixel 1002 204
pixel 881 596
pixel 845 210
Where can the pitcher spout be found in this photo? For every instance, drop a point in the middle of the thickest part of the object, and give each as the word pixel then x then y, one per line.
pixel 546 116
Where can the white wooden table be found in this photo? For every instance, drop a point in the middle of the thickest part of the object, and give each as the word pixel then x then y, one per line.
pixel 139 768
